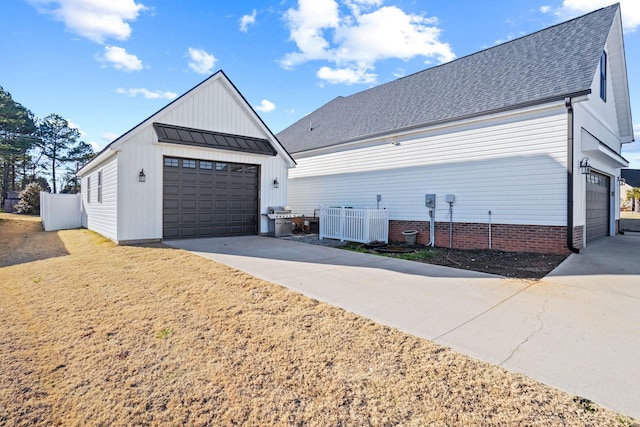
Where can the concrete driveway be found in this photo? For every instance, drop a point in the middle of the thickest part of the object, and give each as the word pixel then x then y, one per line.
pixel 577 330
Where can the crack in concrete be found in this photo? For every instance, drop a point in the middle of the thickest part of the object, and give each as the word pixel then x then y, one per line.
pixel 484 312
pixel 531 335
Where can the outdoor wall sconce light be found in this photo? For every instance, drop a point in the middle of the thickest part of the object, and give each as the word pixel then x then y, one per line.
pixel 142 177
pixel 585 167
pixel 621 181
pixel 276 184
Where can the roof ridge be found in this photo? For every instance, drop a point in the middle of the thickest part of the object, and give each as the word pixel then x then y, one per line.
pixel 517 39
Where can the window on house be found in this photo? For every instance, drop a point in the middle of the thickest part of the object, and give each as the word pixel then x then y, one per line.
pixel 88 189
pixel 169 162
pixel 221 166
pixel 189 164
pixel 206 165
pixel 100 187
pixel 603 76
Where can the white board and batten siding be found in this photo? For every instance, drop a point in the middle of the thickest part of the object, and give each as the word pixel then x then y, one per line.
pixel 135 212
pixel 101 215
pixel 513 166
pixel 140 213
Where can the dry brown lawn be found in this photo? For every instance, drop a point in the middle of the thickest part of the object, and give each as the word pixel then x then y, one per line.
pixel 98 334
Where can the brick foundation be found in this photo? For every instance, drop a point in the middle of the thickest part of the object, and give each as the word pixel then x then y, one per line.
pixel 504 237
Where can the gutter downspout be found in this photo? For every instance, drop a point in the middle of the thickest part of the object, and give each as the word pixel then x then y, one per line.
pixel 572 248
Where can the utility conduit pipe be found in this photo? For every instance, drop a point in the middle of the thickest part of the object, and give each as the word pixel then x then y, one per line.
pixel 489 230
pixel 432 228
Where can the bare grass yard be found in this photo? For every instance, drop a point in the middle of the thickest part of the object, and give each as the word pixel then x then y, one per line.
pixel 99 334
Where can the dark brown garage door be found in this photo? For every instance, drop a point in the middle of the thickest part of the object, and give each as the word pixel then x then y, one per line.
pixel 597 206
pixel 209 199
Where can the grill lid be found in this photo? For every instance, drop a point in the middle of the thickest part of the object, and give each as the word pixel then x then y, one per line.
pixel 279 209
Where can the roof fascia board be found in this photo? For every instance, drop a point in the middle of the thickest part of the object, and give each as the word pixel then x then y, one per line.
pixel 115 144
pixel 103 156
pixel 623 87
pixel 252 113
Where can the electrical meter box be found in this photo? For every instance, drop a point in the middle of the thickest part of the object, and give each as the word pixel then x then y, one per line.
pixel 450 198
pixel 430 200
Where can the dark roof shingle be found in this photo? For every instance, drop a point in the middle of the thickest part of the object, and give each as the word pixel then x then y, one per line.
pixel 550 64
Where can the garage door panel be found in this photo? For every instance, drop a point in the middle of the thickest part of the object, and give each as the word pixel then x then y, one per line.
pixel 597 206
pixel 189 190
pixel 205 204
pixel 188 204
pixel 172 190
pixel 205 218
pixel 188 231
pixel 171 204
pixel 203 198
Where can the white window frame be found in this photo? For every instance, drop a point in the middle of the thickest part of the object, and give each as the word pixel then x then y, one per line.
pixel 99 186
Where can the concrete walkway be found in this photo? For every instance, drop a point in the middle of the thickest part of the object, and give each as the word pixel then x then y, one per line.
pixel 577 330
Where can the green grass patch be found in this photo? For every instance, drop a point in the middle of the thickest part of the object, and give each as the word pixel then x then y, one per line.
pixel 355 247
pixel 417 255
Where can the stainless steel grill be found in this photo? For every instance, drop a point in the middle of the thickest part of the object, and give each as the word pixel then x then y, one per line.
pixel 280 220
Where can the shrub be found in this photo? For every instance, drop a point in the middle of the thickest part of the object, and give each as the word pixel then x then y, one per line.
pixel 29 203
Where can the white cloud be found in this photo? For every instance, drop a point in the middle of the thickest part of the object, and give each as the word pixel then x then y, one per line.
pixel 356 37
pixel 75 126
pixel 201 61
pixel 120 59
pixel 95 20
pixel 148 94
pixel 247 20
pixel 636 132
pixel 109 136
pixel 572 8
pixel 265 106
pixel 347 76
pixel 94 145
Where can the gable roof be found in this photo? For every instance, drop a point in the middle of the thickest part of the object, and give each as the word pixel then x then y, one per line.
pixel 544 66
pixel 109 150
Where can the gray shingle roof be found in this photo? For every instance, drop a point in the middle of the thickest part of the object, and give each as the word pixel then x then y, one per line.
pixel 631 176
pixel 550 64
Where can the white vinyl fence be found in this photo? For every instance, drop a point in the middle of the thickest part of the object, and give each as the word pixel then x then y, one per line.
pixel 354 225
pixel 60 211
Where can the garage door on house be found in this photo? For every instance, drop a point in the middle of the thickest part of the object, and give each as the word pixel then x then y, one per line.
pixel 597 220
pixel 203 198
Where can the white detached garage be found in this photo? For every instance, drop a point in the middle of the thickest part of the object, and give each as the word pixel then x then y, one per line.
pixel 203 166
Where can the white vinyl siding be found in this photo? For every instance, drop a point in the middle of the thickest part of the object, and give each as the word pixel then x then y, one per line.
pixel 102 217
pixel 515 168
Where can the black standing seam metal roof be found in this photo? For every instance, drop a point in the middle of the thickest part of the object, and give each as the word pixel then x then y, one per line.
pixel 547 65
pixel 204 138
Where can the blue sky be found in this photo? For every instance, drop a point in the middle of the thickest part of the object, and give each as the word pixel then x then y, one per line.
pixel 105 65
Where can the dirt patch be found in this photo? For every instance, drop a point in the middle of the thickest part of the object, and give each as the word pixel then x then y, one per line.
pixel 149 335
pixel 518 265
pixel 522 265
